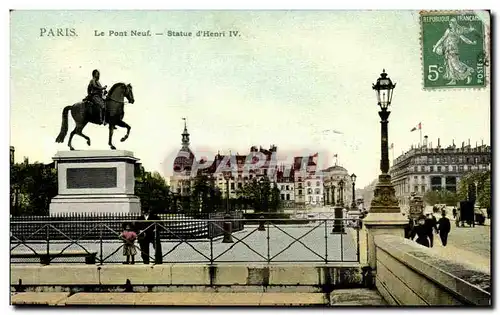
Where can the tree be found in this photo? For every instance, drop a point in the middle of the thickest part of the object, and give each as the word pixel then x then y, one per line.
pixel 153 191
pixel 441 197
pixel 32 188
pixel 467 187
pixel 275 203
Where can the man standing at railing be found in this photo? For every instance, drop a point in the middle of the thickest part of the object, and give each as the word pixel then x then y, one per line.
pixel 148 233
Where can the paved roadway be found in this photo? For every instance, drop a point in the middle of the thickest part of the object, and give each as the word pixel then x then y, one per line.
pixel 339 247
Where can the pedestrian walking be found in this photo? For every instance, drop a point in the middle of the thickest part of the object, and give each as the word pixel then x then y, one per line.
pixel 444 228
pixel 454 211
pixel 129 236
pixel 421 232
pixel 430 225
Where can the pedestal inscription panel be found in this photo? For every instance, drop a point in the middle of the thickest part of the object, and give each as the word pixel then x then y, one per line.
pixel 95 177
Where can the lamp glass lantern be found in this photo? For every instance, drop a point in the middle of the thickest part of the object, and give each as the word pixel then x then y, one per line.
pixel 353 177
pixel 384 89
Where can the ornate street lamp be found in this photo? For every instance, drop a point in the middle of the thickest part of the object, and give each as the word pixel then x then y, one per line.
pixel 353 179
pixel 384 196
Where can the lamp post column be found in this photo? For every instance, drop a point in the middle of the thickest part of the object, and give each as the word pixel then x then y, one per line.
pixel 384 216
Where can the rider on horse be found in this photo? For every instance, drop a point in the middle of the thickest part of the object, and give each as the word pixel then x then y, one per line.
pixel 95 93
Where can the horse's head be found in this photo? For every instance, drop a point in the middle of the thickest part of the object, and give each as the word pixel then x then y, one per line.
pixel 129 94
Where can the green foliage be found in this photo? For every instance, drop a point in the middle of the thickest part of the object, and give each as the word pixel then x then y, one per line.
pixel 260 195
pixel 441 197
pixel 467 187
pixel 205 197
pixel 32 186
pixel 153 191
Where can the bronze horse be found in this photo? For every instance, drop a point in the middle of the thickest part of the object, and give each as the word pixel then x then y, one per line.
pixel 84 113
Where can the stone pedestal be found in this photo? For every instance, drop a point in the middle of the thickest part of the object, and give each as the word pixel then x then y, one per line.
pixel 338 225
pixel 95 182
pixel 384 217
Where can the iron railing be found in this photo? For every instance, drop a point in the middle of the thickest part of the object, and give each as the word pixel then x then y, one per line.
pixel 324 240
pixel 82 226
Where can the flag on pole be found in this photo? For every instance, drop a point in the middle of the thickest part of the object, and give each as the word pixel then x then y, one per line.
pixel 419 126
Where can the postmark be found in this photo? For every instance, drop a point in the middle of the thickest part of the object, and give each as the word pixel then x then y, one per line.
pixel 454 49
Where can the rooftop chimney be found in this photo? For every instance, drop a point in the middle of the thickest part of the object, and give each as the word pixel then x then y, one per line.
pixel 439 143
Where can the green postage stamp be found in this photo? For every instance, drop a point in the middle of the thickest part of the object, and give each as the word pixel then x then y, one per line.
pixel 454 49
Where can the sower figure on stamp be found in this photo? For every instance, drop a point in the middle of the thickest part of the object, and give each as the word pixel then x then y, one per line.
pixel 149 234
pixel 95 93
pixel 447 45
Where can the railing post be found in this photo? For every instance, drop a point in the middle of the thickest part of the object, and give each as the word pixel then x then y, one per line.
pixel 261 224
pixel 326 241
pixel 157 240
pixel 211 249
pixel 228 238
pixel 357 241
pixel 268 244
pixel 100 243
pixel 46 260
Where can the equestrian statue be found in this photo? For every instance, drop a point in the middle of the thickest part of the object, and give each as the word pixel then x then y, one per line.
pixel 98 110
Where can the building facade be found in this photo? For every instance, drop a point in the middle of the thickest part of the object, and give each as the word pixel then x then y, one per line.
pixel 332 177
pixel 181 181
pixel 423 169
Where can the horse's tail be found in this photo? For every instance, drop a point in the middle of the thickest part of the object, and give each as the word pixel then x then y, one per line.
pixel 64 126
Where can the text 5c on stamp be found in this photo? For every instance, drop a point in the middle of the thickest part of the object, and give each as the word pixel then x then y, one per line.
pixel 453 50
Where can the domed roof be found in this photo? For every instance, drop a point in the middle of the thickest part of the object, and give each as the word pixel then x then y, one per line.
pixel 337 170
pixel 184 160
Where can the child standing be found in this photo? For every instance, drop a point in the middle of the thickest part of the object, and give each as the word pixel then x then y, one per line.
pixel 129 236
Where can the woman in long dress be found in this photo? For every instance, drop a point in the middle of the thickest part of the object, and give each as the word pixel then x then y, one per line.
pixel 448 45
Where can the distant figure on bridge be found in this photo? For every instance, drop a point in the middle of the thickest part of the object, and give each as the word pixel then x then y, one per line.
pixel 129 236
pixel 421 232
pixel 444 228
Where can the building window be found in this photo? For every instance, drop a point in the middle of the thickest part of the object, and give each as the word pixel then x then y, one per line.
pixel 287 187
pixel 299 179
pixel 282 197
pixel 423 188
pixel 317 183
pixel 300 185
pixel 422 168
pixel 439 168
pixel 240 185
pixel 431 168
pixel 317 198
pixel 415 189
pixel 446 168
pixel 454 168
pixel 308 183
pixel 232 186
pixel 300 192
pixel 287 196
pixel 310 198
pixel 415 169
pixel 317 191
pixel 461 168
pixel 415 177
pixel 437 160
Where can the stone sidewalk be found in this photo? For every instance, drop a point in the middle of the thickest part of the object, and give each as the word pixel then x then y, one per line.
pixel 345 297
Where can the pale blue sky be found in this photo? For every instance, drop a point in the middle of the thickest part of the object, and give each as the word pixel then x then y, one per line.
pixel 290 76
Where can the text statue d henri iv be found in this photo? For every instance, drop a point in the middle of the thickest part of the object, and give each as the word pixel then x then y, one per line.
pixel 89 110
